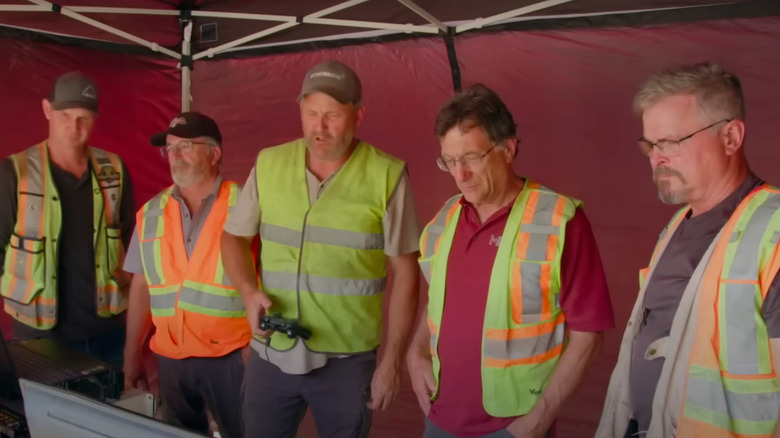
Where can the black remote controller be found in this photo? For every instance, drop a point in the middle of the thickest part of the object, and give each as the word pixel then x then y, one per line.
pixel 290 327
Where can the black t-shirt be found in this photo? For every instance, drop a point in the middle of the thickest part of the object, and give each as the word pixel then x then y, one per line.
pixel 77 317
pixel 665 289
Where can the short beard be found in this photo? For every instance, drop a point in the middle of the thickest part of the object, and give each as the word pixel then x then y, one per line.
pixel 665 192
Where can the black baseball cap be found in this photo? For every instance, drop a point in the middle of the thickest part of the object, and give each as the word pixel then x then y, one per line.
pixel 74 90
pixel 189 125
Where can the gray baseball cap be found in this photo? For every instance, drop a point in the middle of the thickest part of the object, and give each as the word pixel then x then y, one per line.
pixel 334 79
pixel 74 90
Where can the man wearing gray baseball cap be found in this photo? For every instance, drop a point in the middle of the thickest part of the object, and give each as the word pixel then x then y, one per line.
pixel 66 214
pixel 332 213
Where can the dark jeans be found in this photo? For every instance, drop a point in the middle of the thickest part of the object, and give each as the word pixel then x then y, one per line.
pixel 273 403
pixel 108 347
pixel 190 386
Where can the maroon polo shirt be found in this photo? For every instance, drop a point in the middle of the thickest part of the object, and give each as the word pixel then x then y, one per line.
pixel 584 300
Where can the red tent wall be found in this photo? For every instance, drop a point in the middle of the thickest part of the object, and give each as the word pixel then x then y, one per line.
pixel 570 92
pixel 138 96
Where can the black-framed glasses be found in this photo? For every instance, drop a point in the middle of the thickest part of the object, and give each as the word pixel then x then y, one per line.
pixel 469 161
pixel 182 147
pixel 671 147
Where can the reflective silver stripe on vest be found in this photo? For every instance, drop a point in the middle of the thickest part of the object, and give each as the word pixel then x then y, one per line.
pixel 433 232
pixel 521 348
pixel 425 267
pixel 149 241
pixel 34 172
pixel 32 312
pixel 148 252
pixel 540 228
pixel 153 216
pixel 328 236
pixel 323 285
pixel 740 308
pixel 735 405
pixel 530 278
pixel 434 340
pixel 164 300
pixel 436 227
pixel 210 301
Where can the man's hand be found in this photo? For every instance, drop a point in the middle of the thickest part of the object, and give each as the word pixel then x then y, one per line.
pixel 135 373
pixel 527 427
pixel 257 304
pixel 423 383
pixel 385 386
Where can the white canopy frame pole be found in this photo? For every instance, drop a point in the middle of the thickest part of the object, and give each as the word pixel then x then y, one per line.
pixel 287 22
pixel 481 22
pixel 425 14
pixel 110 29
pixel 186 69
pixel 313 18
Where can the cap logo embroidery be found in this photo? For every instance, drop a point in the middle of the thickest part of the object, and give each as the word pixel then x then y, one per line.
pixel 89 92
pixel 326 74
pixel 177 121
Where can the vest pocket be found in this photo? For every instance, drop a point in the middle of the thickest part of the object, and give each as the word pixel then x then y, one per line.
pixel 24 273
pixel 115 255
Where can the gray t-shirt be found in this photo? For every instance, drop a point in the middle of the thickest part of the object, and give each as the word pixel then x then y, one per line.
pixel 401 234
pixel 665 289
pixel 190 227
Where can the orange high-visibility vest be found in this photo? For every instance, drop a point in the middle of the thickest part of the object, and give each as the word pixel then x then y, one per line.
pixel 195 310
pixel 732 388
pixel 524 329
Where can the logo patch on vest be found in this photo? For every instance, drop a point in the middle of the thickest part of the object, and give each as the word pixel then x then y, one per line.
pixel 108 174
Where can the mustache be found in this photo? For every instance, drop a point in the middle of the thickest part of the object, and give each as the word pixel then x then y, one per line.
pixel 322 135
pixel 667 171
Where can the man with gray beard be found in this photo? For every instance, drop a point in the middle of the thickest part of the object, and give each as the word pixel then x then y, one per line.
pixel 180 286
pixel 699 355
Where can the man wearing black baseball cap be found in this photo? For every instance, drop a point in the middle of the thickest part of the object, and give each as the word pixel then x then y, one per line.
pixel 179 285
pixel 66 213
pixel 332 212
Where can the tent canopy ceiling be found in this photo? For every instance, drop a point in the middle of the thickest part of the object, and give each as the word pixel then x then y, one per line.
pixel 228 26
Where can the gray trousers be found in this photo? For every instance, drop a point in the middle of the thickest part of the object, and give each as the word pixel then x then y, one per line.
pixel 434 431
pixel 190 386
pixel 273 403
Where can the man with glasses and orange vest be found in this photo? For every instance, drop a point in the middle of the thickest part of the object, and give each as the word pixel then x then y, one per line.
pixel 699 355
pixel 517 299
pixel 180 286
pixel 66 214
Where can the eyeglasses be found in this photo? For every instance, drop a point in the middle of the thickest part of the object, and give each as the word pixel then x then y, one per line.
pixel 182 147
pixel 671 147
pixel 469 161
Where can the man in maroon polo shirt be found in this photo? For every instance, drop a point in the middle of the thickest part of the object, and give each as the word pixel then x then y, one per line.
pixel 518 302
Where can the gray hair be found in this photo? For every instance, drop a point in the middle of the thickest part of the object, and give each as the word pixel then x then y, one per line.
pixel 214 143
pixel 718 92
